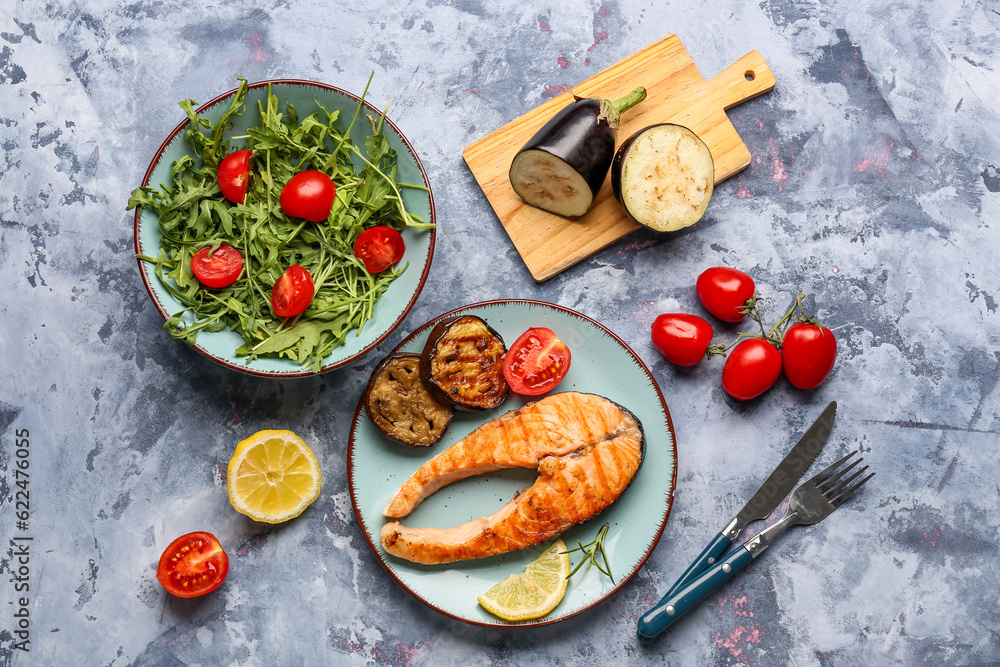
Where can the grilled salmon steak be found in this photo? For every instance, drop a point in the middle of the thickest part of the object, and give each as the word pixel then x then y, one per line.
pixel 586 450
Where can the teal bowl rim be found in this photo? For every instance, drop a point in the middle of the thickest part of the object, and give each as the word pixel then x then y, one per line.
pixel 423 276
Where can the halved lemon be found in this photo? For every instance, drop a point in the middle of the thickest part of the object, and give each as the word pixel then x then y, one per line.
pixel 273 476
pixel 533 593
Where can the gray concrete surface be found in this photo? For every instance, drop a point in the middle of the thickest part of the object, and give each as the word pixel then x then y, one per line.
pixel 874 188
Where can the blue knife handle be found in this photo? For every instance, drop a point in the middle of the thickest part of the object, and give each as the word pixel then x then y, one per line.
pixel 671 608
pixel 706 559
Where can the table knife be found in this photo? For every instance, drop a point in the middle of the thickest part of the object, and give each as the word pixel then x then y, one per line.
pixel 761 504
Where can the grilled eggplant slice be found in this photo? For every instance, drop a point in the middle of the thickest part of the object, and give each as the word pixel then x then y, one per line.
pixel 399 405
pixel 663 176
pixel 563 166
pixel 462 364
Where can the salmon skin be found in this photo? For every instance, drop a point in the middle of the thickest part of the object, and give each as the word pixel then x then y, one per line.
pixel 586 449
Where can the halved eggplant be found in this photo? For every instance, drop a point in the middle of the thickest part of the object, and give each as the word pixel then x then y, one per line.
pixel 399 405
pixel 563 166
pixel 462 363
pixel 663 176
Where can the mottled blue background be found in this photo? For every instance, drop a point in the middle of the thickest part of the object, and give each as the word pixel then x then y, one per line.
pixel 874 188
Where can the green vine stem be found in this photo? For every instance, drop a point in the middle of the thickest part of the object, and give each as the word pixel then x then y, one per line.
pixel 772 335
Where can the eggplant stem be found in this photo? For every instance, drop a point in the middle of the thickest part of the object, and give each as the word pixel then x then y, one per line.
pixel 611 110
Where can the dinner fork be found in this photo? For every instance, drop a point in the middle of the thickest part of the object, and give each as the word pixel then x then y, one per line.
pixel 812 501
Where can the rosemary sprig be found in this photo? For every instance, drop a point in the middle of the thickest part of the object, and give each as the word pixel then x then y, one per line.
pixel 591 551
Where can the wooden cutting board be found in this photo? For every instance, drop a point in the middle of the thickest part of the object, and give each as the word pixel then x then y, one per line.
pixel 676 93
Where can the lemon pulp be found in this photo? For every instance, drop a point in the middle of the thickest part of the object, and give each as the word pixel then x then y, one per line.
pixel 533 593
pixel 273 476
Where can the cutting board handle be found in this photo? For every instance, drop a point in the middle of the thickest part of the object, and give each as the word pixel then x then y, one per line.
pixel 745 79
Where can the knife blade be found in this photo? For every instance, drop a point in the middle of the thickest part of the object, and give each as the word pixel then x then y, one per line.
pixel 760 505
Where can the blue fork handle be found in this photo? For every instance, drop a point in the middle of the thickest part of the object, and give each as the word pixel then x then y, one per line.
pixel 706 559
pixel 672 607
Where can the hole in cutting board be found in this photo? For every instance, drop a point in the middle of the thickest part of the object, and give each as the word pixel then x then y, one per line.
pixel 749 75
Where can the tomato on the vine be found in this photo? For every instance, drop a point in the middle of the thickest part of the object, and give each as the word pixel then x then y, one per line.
pixel 536 362
pixel 807 354
pixel 724 292
pixel 217 269
pixel 683 339
pixel 309 195
pixel 379 248
pixel 751 368
pixel 292 292
pixel 193 565
pixel 234 176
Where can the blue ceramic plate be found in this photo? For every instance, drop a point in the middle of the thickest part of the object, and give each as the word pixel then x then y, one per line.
pixel 399 297
pixel 601 364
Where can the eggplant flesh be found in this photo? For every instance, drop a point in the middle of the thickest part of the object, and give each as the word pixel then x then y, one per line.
pixel 399 405
pixel 545 181
pixel 663 176
pixel 462 364
pixel 563 166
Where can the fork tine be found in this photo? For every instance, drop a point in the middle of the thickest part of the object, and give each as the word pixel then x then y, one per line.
pixel 831 481
pixel 847 494
pixel 823 474
pixel 839 488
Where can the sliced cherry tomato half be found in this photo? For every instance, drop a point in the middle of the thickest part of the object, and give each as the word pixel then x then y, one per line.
pixel 193 565
pixel 536 362
pixel 309 195
pixel 752 367
pixel 292 292
pixel 234 176
pixel 807 354
pixel 683 339
pixel 217 269
pixel 724 291
pixel 379 248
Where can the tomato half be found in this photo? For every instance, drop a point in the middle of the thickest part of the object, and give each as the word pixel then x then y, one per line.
pixel 234 176
pixel 536 362
pixel 217 269
pixel 292 292
pixel 309 195
pixel 193 565
pixel 807 354
pixel 723 291
pixel 379 248
pixel 683 339
pixel 752 367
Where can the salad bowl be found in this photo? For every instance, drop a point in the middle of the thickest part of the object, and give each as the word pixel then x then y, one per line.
pixel 308 97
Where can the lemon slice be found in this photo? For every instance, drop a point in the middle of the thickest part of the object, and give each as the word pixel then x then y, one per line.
pixel 273 476
pixel 533 593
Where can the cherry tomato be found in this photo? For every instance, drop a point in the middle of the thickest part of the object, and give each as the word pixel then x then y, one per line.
pixel 723 291
pixel 309 195
pixel 536 362
pixel 683 339
pixel 234 176
pixel 807 354
pixel 292 292
pixel 751 368
pixel 193 565
pixel 379 247
pixel 217 269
